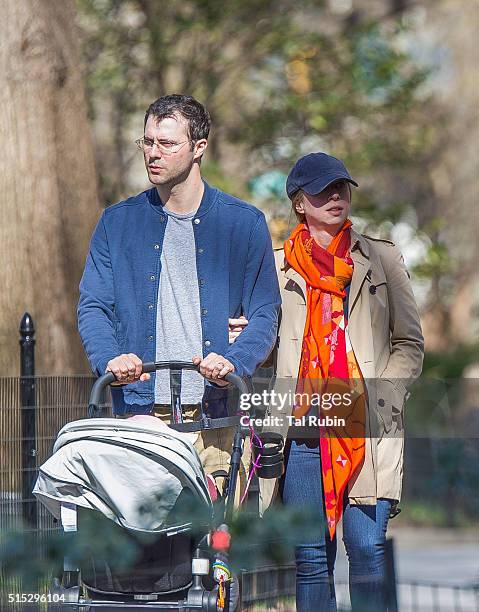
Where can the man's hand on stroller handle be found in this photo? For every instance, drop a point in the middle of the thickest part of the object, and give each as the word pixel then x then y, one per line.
pixel 127 368
pixel 214 367
pixel 109 378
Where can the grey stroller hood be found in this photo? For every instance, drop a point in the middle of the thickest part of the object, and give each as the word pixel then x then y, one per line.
pixel 132 471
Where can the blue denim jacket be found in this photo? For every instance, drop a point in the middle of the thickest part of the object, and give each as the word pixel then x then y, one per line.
pixel 119 287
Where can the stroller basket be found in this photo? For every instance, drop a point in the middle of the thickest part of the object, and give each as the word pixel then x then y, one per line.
pixel 163 565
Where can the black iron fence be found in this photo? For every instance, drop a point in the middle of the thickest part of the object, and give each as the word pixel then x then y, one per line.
pixel 428 596
pixel 274 589
pixel 27 434
pixel 32 411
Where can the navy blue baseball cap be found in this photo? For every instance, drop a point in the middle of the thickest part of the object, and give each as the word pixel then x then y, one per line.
pixel 314 172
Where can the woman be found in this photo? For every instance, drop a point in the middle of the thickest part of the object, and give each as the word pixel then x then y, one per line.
pixel 350 325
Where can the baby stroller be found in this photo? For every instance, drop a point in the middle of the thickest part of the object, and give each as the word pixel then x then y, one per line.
pixel 102 467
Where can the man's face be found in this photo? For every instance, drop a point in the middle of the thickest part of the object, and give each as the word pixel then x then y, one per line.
pixel 329 208
pixel 171 162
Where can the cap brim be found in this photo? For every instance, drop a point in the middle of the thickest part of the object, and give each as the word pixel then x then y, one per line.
pixel 321 183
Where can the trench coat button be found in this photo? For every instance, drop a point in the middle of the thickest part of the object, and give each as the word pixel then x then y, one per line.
pixel 381 402
pixel 372 289
pixel 207 343
pixel 196 221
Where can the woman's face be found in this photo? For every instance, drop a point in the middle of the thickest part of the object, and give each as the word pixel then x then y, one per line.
pixel 329 208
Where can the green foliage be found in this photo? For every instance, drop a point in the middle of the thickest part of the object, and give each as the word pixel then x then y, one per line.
pixel 215 176
pixel 446 488
pixel 450 365
pixel 436 263
pixel 446 483
pixel 98 539
pixel 457 480
pixel 423 512
pixel 258 542
pixel 255 541
pixel 435 406
pixel 280 79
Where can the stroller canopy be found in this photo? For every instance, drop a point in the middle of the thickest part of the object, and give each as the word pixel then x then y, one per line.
pixel 131 470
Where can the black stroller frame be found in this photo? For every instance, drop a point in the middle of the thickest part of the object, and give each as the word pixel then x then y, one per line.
pixel 66 590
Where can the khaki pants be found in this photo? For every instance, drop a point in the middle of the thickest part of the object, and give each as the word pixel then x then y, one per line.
pixel 213 446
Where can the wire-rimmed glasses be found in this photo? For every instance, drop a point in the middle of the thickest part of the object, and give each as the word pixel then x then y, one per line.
pixel 166 147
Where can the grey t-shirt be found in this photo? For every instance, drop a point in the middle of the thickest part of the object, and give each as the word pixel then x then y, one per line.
pixel 178 317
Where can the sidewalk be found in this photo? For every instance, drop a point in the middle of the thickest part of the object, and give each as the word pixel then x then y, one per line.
pixel 422 554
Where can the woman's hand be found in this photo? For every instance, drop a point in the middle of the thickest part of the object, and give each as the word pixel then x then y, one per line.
pixel 235 327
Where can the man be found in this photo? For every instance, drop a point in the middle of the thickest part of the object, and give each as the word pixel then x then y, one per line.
pixel 168 267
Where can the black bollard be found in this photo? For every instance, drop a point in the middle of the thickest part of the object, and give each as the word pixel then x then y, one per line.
pixel 391 584
pixel 28 404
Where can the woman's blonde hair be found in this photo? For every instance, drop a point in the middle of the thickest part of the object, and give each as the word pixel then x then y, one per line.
pixel 298 199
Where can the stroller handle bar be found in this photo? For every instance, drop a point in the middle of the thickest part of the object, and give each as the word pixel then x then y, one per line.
pixel 103 381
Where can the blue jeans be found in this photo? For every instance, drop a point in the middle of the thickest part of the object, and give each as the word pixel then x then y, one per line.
pixel 364 535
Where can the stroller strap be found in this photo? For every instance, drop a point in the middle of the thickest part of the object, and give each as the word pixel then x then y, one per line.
pixel 206 422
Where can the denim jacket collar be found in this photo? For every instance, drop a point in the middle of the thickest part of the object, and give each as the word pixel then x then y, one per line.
pixel 210 195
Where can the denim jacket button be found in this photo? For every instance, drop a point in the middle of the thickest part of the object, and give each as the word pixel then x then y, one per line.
pixel 196 221
pixel 207 343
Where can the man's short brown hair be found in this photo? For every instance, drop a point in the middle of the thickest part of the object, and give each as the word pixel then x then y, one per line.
pixel 196 115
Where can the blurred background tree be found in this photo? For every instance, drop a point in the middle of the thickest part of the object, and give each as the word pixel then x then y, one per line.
pixel 278 78
pixel 48 189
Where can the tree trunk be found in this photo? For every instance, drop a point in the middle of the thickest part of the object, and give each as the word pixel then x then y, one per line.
pixel 48 184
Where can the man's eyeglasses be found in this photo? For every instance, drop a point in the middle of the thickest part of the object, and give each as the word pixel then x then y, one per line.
pixel 166 147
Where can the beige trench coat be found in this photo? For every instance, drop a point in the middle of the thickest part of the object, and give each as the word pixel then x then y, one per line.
pixel 385 333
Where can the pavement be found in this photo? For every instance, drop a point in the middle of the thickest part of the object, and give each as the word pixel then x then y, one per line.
pixel 428 556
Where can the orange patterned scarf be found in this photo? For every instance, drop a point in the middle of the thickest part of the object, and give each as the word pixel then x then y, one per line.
pixel 328 364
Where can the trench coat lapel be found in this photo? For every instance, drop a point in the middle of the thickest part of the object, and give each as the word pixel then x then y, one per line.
pixel 360 257
pixel 295 280
pixel 359 327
